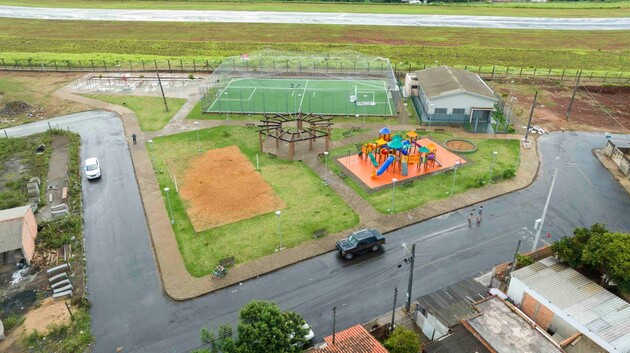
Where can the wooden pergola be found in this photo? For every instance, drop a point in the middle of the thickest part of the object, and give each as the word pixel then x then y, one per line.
pixel 274 126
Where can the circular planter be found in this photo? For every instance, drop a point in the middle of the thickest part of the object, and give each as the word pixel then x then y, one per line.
pixel 460 146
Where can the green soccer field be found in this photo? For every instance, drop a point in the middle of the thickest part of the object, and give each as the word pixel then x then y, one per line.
pixel 326 97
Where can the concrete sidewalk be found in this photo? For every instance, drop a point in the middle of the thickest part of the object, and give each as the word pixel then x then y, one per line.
pixel 180 285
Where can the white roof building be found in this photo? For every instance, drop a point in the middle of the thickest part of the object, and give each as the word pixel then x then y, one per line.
pixel 564 302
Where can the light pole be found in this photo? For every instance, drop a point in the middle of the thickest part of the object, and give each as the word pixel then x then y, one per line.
pixel 326 168
pixel 509 110
pixel 494 156
pixel 228 108
pixel 437 63
pixel 454 173
pixel 356 119
pixel 197 129
pixel 394 180
pixel 278 213
pixel 170 209
pixel 542 218
pixel 429 115
pixel 405 115
pixel 150 142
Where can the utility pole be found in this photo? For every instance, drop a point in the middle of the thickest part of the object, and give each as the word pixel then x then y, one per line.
pixel 542 218
pixel 513 262
pixel 411 261
pixel 577 84
pixel 391 326
pixel 161 89
pixel 531 113
pixel 334 330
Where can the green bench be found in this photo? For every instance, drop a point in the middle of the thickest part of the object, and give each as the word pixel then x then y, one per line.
pixel 320 233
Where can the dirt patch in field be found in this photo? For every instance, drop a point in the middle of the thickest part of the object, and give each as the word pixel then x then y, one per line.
pixel 34 91
pixel 50 312
pixel 221 187
pixel 595 108
pixel 460 145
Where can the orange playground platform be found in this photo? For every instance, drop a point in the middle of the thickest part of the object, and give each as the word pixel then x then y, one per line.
pixel 364 169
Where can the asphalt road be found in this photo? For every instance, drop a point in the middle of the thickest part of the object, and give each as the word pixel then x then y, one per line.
pixel 130 310
pixel 587 24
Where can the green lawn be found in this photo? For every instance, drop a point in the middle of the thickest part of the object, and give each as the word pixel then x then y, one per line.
pixel 301 190
pixel 563 9
pixel 44 41
pixel 473 174
pixel 149 110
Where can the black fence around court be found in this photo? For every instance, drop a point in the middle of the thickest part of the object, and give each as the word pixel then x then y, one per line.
pixel 205 65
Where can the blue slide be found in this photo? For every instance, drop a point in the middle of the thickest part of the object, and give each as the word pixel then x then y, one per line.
pixel 386 164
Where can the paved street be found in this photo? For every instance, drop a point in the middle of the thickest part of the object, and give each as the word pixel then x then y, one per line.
pixel 587 24
pixel 130 310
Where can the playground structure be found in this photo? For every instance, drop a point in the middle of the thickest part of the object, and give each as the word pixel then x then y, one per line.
pixel 377 162
pixel 294 136
pixel 126 83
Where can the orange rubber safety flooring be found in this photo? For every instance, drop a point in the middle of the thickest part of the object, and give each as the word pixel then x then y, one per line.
pixel 363 168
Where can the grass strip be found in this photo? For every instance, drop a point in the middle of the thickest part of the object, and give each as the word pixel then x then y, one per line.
pixel 561 9
pixel 309 204
pixel 149 110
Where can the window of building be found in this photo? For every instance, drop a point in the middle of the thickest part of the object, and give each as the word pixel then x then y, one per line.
pixel 459 111
pixel 441 110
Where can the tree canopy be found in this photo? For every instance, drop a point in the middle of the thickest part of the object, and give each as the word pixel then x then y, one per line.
pixel 264 328
pixel 600 249
pixel 403 340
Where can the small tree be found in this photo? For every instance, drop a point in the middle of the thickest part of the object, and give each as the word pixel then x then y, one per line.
pixel 570 250
pixel 403 340
pixel 524 260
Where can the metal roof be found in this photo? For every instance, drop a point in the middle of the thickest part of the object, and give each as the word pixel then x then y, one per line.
pixel 454 303
pixel 459 341
pixel 11 228
pixel 445 80
pixel 600 311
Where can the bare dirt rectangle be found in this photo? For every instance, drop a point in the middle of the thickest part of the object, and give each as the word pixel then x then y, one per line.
pixel 221 187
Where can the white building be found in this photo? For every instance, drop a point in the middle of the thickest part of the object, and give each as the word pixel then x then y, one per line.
pixel 446 95
pixel 567 304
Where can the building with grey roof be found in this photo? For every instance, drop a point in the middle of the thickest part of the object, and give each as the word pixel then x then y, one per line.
pixel 566 303
pixel 446 95
pixel 437 312
pixel 460 340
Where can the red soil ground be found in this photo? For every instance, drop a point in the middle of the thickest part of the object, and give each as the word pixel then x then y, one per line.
pixel 221 187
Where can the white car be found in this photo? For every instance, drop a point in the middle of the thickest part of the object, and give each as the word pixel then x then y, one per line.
pixel 92 168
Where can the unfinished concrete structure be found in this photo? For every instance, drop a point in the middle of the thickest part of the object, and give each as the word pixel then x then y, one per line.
pixel 18 231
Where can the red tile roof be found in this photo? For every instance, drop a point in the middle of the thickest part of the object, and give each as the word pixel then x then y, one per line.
pixel 355 339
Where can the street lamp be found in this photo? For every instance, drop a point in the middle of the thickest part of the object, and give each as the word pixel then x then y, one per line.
pixel 542 218
pixel 429 114
pixel 197 129
pixel 150 142
pixel 454 173
pixel 405 115
pixel 394 180
pixel 326 167
pixel 356 119
pixel 278 213
pixel 168 199
pixel 509 110
pixel 494 156
pixel 437 63
pixel 228 108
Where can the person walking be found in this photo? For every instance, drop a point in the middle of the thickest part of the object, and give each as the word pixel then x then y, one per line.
pixel 480 215
pixel 470 216
pixel 133 137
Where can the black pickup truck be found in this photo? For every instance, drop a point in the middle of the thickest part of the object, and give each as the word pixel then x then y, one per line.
pixel 360 242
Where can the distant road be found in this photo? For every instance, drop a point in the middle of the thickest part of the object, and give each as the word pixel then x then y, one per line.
pixel 589 24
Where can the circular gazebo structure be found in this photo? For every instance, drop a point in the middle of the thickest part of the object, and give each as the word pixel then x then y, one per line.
pixel 293 137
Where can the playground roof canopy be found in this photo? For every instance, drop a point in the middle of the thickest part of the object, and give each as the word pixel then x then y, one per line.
pixel 445 80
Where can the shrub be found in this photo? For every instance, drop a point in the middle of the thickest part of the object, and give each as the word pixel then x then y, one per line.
pixel 12 321
pixel 509 173
pixel 523 260
pixel 403 340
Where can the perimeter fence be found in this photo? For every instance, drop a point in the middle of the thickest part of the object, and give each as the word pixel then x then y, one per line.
pixel 208 66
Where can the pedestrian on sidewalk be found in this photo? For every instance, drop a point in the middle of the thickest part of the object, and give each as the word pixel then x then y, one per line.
pixel 133 137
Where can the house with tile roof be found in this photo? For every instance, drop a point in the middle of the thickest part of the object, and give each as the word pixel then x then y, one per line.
pixel 355 339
